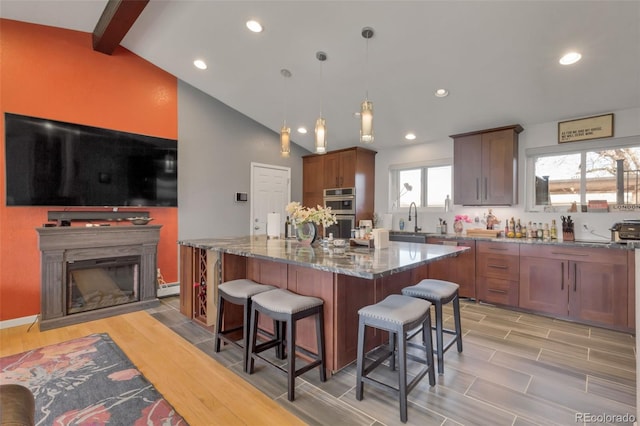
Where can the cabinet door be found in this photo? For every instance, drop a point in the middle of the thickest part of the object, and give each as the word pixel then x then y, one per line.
pixel 312 180
pixel 347 169
pixel 598 293
pixel 331 170
pixel 499 178
pixel 467 169
pixel 544 285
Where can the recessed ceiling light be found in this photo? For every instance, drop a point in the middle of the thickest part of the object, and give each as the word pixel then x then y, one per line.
pixel 410 136
pixel 441 93
pixel 254 26
pixel 570 58
pixel 302 130
pixel 200 64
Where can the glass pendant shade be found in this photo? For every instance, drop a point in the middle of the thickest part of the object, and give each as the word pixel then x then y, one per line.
pixel 366 122
pixel 321 136
pixel 285 141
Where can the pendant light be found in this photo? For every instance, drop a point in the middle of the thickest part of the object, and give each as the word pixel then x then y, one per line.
pixel 285 132
pixel 321 125
pixel 366 108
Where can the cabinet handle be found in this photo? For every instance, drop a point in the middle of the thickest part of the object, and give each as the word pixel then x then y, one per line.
pixel 495 290
pixel 562 280
pixel 498 266
pixel 569 254
pixel 498 248
pixel 486 191
pixel 575 277
pixel 477 188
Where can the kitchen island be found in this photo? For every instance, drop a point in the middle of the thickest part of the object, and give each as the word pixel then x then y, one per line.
pixel 345 278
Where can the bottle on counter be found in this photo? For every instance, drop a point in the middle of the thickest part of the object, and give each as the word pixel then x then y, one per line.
pixel 401 224
pixel 287 228
pixel 518 229
pixel 546 234
pixel 539 230
pixel 553 232
pixel 534 231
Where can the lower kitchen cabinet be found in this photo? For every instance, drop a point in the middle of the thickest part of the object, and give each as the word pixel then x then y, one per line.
pixel 460 269
pixel 585 284
pixel 497 272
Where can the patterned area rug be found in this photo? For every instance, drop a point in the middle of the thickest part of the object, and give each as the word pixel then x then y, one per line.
pixel 87 381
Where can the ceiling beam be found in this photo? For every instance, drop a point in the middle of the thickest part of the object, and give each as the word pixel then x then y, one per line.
pixel 116 20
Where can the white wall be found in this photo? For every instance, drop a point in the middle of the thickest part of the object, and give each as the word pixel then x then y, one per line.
pixel 216 145
pixel 626 123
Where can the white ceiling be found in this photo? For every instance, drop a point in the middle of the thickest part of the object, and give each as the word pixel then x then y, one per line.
pixel 498 59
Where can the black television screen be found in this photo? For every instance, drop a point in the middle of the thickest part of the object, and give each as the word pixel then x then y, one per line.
pixel 53 163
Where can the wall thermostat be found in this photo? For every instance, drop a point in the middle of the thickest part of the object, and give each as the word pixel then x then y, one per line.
pixel 241 196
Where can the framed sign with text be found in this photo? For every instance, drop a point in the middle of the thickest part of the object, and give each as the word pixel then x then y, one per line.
pixel 582 129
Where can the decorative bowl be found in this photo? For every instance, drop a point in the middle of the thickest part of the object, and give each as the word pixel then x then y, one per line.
pixel 139 220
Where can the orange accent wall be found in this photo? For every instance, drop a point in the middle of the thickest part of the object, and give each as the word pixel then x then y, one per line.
pixel 54 73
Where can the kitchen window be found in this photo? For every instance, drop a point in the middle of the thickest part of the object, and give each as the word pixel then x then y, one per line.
pixel 566 174
pixel 427 185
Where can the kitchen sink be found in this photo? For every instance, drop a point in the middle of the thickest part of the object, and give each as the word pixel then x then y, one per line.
pixel 408 237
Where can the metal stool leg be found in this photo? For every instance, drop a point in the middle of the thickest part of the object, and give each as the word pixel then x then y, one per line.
pixel 456 317
pixel 439 338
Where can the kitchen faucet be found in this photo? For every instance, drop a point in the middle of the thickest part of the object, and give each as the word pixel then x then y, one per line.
pixel 415 209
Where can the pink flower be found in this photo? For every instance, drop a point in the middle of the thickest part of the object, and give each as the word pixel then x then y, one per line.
pixel 462 217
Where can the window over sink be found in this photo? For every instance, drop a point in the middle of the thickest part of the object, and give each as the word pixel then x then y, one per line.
pixel 426 184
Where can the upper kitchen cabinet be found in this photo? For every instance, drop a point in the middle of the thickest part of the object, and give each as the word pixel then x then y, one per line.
pixel 344 168
pixel 485 167
pixel 340 169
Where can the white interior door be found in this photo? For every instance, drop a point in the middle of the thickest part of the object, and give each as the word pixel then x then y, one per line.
pixel 270 193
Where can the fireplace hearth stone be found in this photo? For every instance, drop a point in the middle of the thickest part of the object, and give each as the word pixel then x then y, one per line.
pixel 60 246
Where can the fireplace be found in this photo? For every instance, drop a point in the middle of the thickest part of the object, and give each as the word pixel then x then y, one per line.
pixel 102 283
pixel 91 273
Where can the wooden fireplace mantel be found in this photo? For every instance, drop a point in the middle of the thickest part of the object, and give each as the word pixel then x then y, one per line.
pixel 61 245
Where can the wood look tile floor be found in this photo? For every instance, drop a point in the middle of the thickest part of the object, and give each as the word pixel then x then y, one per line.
pixel 516 369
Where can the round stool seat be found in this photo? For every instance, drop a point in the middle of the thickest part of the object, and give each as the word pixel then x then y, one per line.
pixel 285 302
pixel 432 290
pixel 396 309
pixel 17 405
pixel 243 288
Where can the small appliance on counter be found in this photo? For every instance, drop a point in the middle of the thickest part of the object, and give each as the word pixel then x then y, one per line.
pixel 626 231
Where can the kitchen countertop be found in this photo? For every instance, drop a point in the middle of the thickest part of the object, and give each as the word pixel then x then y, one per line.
pixel 578 243
pixel 359 261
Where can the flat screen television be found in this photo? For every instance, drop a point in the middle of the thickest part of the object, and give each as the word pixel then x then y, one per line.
pixel 53 163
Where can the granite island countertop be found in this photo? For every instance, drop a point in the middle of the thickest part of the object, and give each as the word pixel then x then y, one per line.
pixel 358 261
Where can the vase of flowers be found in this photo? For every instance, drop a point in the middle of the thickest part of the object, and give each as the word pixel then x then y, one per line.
pixel 306 220
pixel 458 226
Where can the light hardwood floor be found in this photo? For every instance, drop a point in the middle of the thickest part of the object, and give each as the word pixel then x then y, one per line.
pixel 516 369
pixel 199 388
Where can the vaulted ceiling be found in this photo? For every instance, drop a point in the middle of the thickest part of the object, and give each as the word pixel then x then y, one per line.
pixel 497 59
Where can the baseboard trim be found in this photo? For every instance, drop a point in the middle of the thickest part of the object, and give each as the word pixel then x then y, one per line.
pixel 18 321
pixel 170 289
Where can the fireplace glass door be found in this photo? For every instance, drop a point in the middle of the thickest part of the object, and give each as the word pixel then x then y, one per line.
pixel 101 283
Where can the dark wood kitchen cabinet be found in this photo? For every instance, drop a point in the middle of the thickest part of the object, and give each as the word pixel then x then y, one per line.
pixel 312 180
pixel 586 284
pixel 497 272
pixel 485 167
pixel 340 169
pixel 344 168
pixel 460 269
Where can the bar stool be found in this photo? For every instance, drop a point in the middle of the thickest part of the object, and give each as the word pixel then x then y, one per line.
pixel 439 293
pixel 398 315
pixel 238 292
pixel 287 308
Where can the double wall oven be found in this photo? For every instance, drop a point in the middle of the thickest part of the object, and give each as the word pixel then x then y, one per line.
pixel 343 204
